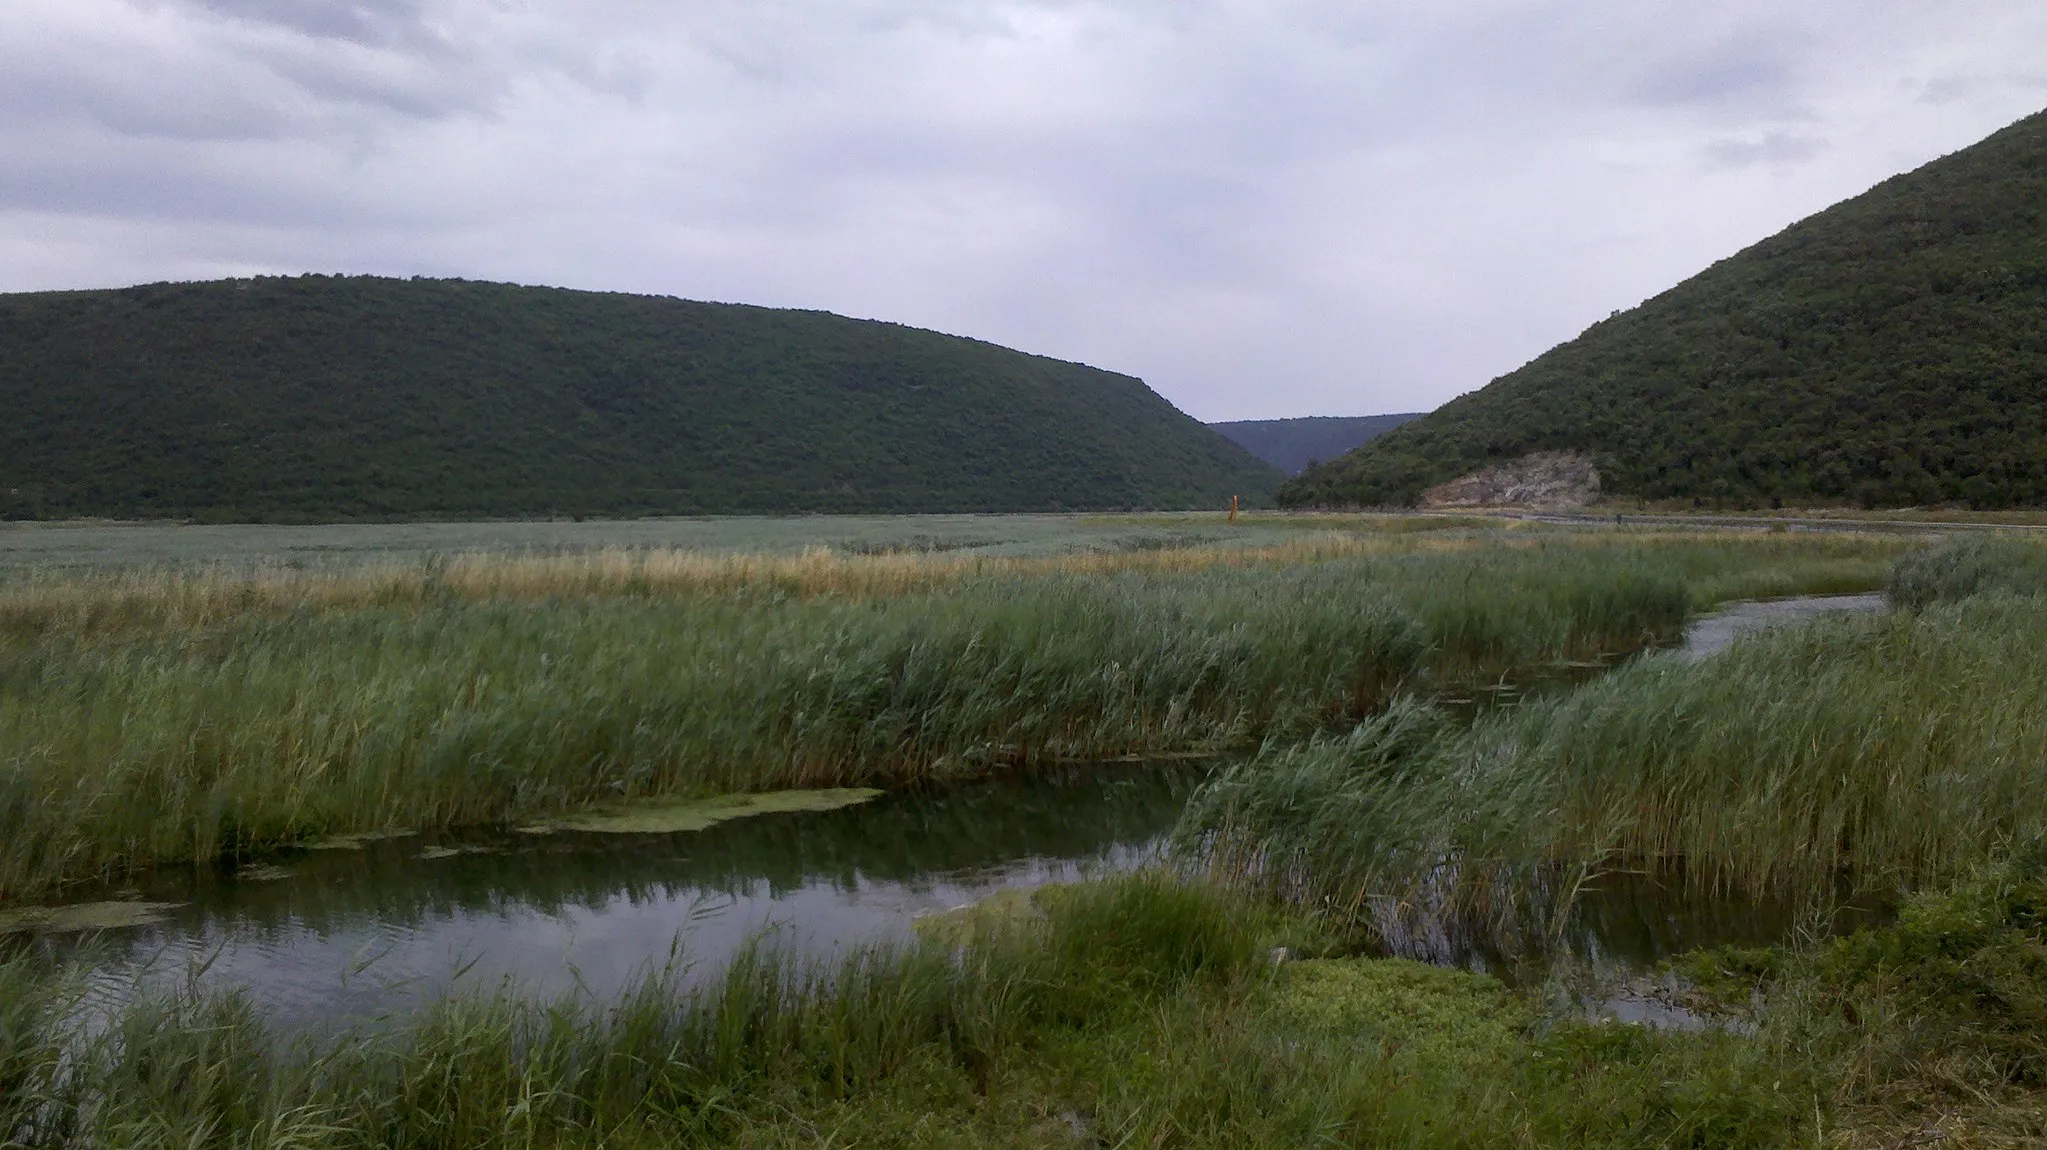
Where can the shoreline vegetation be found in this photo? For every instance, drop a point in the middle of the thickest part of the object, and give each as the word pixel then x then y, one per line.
pixel 186 717
pixel 1236 1000
pixel 1889 751
pixel 1143 1010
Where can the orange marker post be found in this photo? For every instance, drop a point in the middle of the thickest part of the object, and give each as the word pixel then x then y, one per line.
pixel 1233 509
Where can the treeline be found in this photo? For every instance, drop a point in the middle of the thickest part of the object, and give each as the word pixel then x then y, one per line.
pixel 328 398
pixel 1294 445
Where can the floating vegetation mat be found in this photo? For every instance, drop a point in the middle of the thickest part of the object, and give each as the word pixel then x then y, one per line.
pixel 355 842
pixel 669 816
pixel 85 916
pixel 439 852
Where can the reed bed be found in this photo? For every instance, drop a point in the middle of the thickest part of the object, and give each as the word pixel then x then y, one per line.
pixel 35 602
pixel 128 746
pixel 1886 752
pixel 180 598
pixel 1959 568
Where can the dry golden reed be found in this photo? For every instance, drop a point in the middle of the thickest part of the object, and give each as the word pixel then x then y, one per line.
pixel 86 603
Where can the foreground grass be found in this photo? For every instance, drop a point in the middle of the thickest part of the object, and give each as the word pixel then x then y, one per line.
pixel 196 734
pixel 1929 1031
pixel 1138 1012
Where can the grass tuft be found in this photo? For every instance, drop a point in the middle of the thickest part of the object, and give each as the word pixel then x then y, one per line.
pixel 1959 568
pixel 1892 751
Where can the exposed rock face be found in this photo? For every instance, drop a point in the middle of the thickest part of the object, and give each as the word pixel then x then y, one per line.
pixel 1543 479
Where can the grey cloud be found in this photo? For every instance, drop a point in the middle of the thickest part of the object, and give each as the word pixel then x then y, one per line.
pixel 1264 207
pixel 1754 65
pixel 174 184
pixel 374 22
pixel 164 110
pixel 1768 148
pixel 1948 89
pixel 406 86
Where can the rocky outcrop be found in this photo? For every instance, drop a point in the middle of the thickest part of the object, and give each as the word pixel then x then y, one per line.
pixel 1542 479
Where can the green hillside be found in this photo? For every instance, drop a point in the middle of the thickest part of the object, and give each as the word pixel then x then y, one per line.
pixel 1889 351
pixel 319 398
pixel 1292 444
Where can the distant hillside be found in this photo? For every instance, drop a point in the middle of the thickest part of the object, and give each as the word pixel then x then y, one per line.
pixel 321 397
pixel 1292 444
pixel 1889 351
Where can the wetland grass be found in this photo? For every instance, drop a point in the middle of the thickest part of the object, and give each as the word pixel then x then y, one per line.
pixel 1931 1030
pixel 1963 567
pixel 81 603
pixel 182 732
pixel 1138 1012
pixel 1886 752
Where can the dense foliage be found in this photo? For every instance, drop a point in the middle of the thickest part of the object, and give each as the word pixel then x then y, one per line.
pixel 349 398
pixel 1889 351
pixel 1293 445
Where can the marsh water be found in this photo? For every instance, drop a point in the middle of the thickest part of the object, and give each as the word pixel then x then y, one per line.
pixel 1716 632
pixel 372 929
pixel 381 925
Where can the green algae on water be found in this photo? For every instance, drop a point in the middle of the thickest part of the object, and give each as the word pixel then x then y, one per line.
pixel 85 916
pixel 355 842
pixel 429 854
pixel 670 816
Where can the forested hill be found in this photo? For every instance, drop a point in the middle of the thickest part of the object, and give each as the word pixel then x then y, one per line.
pixel 1292 444
pixel 1890 351
pixel 321 397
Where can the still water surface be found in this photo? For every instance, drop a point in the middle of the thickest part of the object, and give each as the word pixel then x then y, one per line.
pixel 358 933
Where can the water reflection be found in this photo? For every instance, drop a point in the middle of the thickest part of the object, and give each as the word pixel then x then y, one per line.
pixel 358 933
pixel 1612 924
pixel 1714 633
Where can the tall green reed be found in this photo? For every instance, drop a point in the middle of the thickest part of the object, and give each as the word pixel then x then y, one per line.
pixel 124 748
pixel 1958 568
pixel 1886 751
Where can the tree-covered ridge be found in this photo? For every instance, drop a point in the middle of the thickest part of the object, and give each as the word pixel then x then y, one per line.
pixel 356 397
pixel 1292 445
pixel 1889 351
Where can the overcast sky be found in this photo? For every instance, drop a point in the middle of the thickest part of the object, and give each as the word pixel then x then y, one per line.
pixel 1263 207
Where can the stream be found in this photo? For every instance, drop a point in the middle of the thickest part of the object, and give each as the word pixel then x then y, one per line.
pixel 377 927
